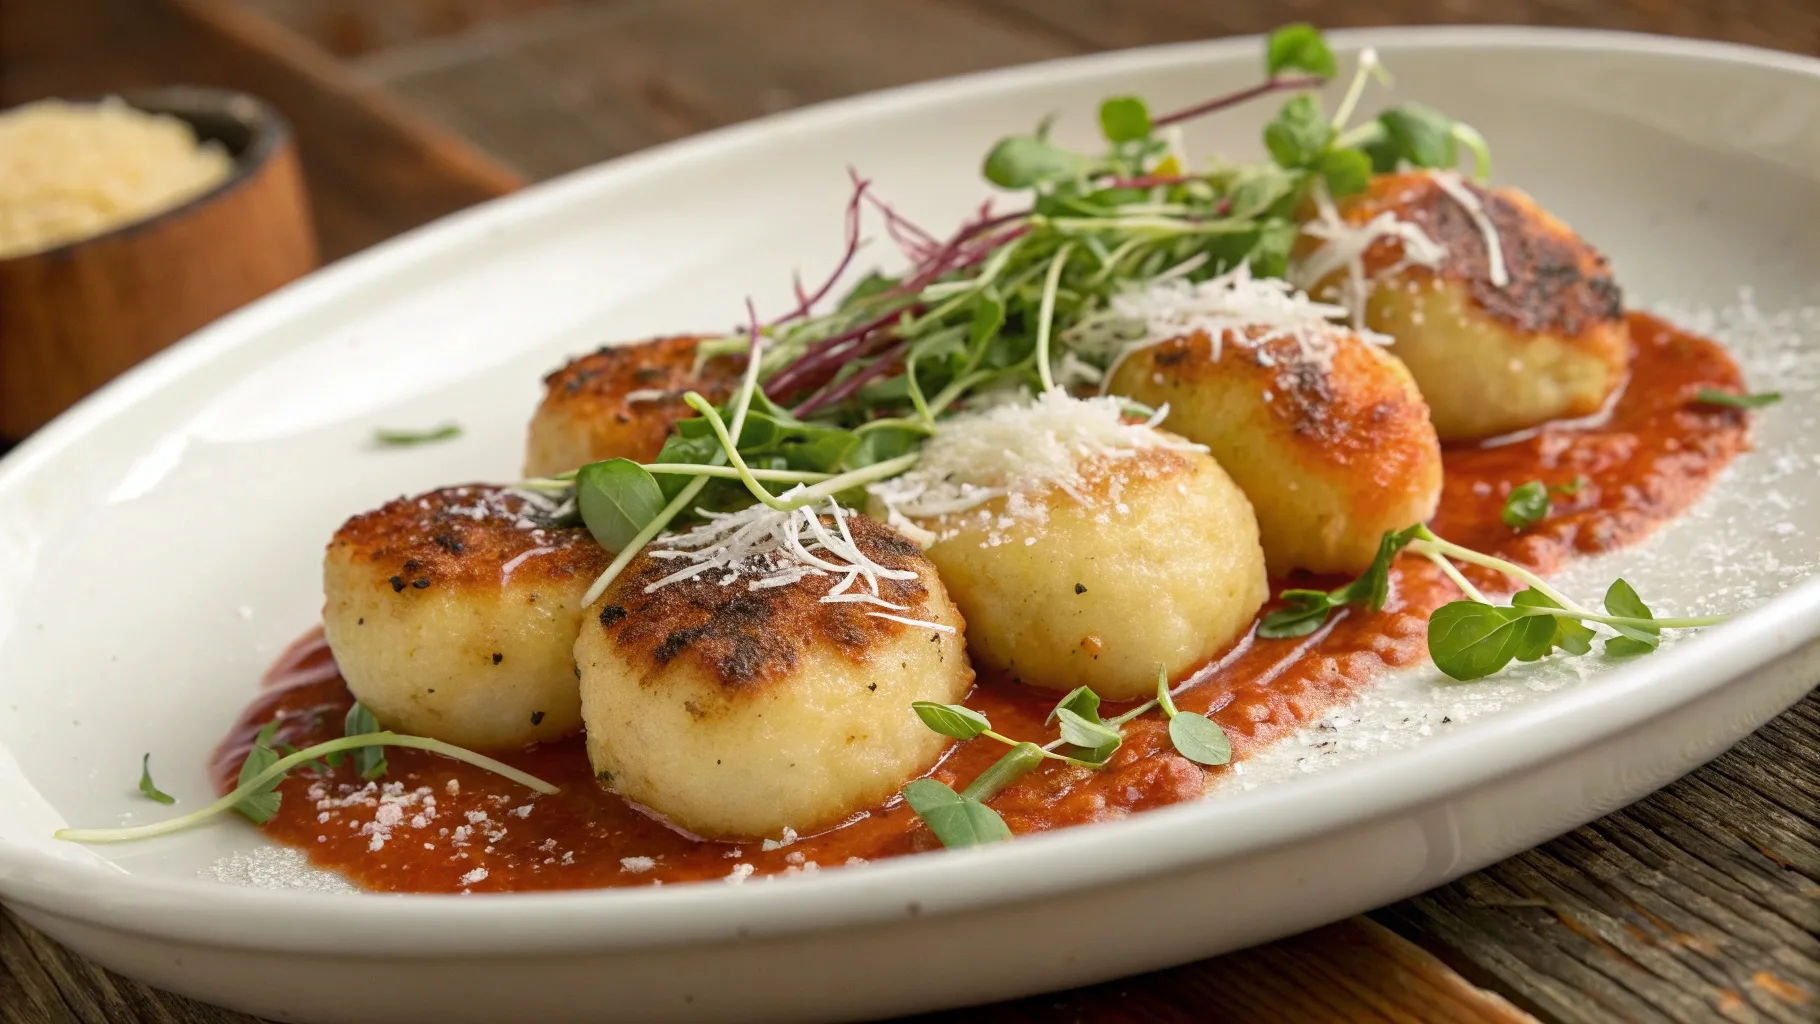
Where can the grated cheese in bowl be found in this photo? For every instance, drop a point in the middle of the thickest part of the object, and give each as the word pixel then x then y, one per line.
pixel 70 171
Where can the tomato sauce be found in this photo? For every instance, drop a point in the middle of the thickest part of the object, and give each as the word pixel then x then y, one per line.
pixel 436 825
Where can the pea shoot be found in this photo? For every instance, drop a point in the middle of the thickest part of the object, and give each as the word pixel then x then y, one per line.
pixel 411 438
pixel 256 796
pixel 1085 740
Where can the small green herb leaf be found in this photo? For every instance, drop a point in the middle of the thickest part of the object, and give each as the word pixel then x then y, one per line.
pixel 1372 588
pixel 962 723
pixel 146 786
pixel 1732 400
pixel 1570 488
pixel 259 805
pixel 957 821
pixel 368 761
pixel 1298 47
pixel 1526 506
pixel 1420 135
pixel 405 438
pixel 617 498
pixel 1627 647
pixel 1022 161
pixel 1082 701
pixel 1300 133
pixel 1306 612
pixel 1347 172
pixel 1124 119
pixel 1099 740
pixel 1571 635
pixel 1621 599
pixel 1469 640
pixel 1200 739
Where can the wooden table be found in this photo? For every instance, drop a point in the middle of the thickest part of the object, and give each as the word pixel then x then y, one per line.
pixel 1700 903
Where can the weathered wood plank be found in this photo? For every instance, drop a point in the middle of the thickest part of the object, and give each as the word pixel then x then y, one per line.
pixel 582 83
pixel 1091 23
pixel 1700 903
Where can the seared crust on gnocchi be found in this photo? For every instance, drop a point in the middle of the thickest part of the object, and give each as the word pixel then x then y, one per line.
pixel 1153 562
pixel 453 615
pixel 1548 342
pixel 738 711
pixel 1328 438
pixel 620 402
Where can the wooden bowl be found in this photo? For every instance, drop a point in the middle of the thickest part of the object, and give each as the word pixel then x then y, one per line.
pixel 74 317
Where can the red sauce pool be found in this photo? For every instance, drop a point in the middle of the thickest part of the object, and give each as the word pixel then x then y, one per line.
pixel 435 825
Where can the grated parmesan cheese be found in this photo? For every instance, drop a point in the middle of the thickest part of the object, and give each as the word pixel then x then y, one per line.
pixel 1344 246
pixel 771 548
pixel 1450 183
pixel 1017 451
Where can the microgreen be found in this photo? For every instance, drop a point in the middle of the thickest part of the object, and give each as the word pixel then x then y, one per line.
pixel 1196 737
pixel 255 793
pixel 961 723
pixel 1307 610
pixel 369 761
pixel 1298 47
pixel 1124 119
pixel 146 785
pixel 1526 506
pixel 956 820
pixel 617 498
pixel 1733 400
pixel 406 438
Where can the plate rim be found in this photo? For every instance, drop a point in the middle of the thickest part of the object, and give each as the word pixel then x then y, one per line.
pixel 1158 841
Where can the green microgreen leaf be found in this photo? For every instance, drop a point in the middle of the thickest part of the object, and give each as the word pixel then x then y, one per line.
pixel 1124 119
pixel 147 787
pixel 259 803
pixel 1621 599
pixel 1023 161
pixel 1082 701
pixel 617 498
pixel 405 438
pixel 874 283
pixel 1346 171
pixel 1298 47
pixel 1200 739
pixel 1526 506
pixel 957 821
pixel 1469 640
pixel 1570 635
pixel 1372 588
pixel 1097 741
pixel 1300 134
pixel 1570 488
pixel 1733 400
pixel 368 761
pixel 962 723
pixel 1420 135
pixel 1305 612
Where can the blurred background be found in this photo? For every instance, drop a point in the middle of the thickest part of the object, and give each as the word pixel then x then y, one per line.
pixel 407 109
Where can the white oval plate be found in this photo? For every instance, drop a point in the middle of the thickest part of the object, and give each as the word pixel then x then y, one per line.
pixel 160 543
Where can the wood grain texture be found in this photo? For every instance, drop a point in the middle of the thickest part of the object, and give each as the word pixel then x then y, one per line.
pixel 572 85
pixel 1700 903
pixel 373 166
pixel 1094 24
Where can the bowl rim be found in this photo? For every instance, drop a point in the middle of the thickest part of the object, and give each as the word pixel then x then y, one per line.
pixel 270 134
pixel 1158 841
